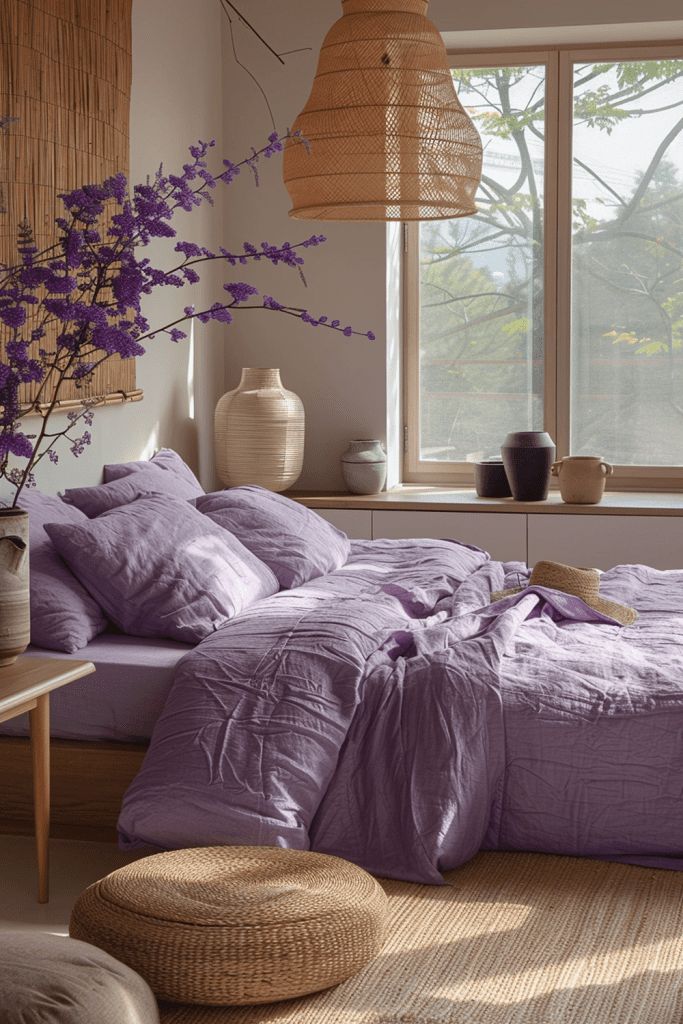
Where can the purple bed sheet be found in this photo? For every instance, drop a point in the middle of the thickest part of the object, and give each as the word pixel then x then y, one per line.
pixel 387 713
pixel 121 701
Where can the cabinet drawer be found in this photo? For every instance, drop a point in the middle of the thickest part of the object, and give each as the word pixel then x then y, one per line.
pixel 604 541
pixel 356 522
pixel 502 534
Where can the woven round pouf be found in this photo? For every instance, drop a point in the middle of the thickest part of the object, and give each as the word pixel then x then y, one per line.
pixel 234 925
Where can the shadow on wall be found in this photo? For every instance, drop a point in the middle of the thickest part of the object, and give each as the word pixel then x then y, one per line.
pixel 173 430
pixel 173 426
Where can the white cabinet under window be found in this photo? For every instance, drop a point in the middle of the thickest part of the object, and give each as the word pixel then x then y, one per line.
pixel 502 534
pixel 604 541
pixel 600 540
pixel 355 522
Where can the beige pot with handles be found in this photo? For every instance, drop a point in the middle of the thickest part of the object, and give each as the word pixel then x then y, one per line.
pixel 582 478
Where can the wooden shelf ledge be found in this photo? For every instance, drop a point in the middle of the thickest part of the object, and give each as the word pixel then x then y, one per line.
pixel 418 498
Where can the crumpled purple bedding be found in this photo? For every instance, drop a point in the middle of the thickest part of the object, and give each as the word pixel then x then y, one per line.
pixel 387 713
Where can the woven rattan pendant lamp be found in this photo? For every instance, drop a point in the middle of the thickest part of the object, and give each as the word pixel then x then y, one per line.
pixel 389 139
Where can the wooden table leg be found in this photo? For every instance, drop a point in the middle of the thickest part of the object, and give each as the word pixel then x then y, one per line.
pixel 40 748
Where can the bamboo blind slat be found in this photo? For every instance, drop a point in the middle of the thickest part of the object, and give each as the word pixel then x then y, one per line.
pixel 65 74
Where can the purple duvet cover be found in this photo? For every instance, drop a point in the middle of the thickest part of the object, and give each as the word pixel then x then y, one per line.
pixel 387 713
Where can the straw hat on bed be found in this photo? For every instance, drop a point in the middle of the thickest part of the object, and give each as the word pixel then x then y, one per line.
pixel 583 583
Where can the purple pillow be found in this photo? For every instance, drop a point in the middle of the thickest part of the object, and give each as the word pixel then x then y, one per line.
pixel 95 500
pixel 297 544
pixel 165 460
pixel 161 569
pixel 64 616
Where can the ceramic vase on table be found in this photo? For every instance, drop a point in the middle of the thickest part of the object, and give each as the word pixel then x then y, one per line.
pixel 582 478
pixel 364 467
pixel 15 612
pixel 528 456
pixel 259 432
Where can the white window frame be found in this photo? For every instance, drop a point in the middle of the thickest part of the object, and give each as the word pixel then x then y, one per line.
pixel 559 63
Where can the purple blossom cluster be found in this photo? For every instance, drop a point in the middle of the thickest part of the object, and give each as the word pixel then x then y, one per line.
pixel 66 309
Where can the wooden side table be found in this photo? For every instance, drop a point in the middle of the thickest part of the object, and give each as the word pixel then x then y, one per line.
pixel 26 686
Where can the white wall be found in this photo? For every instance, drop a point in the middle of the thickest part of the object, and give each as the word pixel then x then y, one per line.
pixel 341 381
pixel 177 96
pixel 186 85
pixel 349 386
pixel 452 16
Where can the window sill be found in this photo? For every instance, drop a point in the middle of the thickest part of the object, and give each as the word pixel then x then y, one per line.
pixel 416 497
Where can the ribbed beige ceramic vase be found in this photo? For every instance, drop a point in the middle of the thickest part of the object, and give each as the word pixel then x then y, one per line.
pixel 259 432
pixel 15 613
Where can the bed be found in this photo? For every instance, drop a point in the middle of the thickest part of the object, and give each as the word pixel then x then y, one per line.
pixel 389 713
pixel 121 701
pixel 100 728
pixel 367 699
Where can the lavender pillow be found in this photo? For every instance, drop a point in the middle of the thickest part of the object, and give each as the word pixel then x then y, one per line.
pixel 160 569
pixel 297 544
pixel 94 500
pixel 64 616
pixel 166 461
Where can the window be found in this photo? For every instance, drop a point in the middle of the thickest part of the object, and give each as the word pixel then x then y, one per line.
pixel 559 306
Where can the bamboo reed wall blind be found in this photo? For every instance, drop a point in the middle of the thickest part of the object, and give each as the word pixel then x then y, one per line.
pixel 65 74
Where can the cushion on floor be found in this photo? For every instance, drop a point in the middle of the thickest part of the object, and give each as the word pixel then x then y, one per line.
pixel 49 979
pixel 234 925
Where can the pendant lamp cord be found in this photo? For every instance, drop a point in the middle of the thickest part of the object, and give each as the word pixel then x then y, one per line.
pixel 227 3
pixel 229 7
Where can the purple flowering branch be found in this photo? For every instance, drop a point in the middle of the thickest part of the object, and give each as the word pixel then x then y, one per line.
pixel 241 292
pixel 66 310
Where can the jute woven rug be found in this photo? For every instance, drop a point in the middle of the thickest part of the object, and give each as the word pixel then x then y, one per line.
pixel 511 939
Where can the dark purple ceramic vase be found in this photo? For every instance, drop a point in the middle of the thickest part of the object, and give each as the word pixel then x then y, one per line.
pixel 528 456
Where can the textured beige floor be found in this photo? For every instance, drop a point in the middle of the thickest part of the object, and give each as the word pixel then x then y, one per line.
pixel 511 939
pixel 73 866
